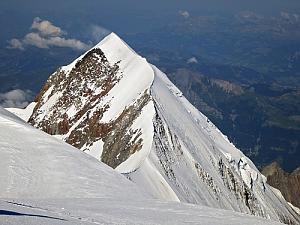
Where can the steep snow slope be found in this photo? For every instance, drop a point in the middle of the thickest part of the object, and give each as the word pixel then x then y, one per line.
pixel 45 181
pixel 123 111
pixel 36 165
pixel 201 164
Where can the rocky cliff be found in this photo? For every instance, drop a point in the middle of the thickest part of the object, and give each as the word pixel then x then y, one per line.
pixel 287 183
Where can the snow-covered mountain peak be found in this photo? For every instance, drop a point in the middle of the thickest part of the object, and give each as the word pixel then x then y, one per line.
pixel 115 49
pixel 112 104
pixel 101 104
pixel 115 44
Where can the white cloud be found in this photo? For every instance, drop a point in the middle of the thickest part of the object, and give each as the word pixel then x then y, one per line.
pixel 46 35
pixel 46 28
pixel 15 99
pixel 98 32
pixel 36 40
pixel 70 43
pixel 184 14
pixel 192 60
pixel 15 44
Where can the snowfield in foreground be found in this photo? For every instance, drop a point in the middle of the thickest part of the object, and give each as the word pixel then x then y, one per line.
pixel 47 182
pixel 114 211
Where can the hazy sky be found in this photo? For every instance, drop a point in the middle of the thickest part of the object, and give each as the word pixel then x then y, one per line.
pixel 122 16
pixel 113 12
pixel 159 5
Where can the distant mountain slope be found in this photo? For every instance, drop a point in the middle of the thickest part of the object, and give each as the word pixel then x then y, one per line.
pixel 118 108
pixel 287 183
pixel 45 181
pixel 261 119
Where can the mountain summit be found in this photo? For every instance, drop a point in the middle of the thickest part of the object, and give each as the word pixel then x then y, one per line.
pixel 112 104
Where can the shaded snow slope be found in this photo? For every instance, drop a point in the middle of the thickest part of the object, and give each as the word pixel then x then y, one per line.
pixel 118 108
pixel 36 165
pixel 45 181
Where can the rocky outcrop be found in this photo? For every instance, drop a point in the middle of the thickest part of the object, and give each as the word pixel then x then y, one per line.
pixel 287 183
pixel 241 191
pixel 73 94
pixel 122 141
pixel 77 95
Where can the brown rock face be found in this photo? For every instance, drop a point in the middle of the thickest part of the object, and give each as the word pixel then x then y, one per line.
pixel 76 111
pixel 91 72
pixel 287 183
